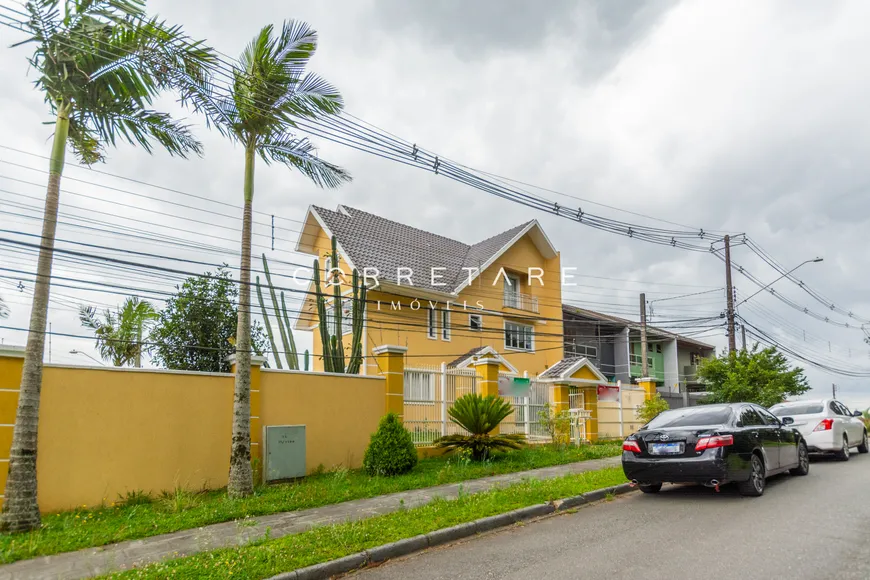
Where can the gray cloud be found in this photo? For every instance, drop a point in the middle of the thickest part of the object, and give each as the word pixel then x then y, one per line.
pixel 600 31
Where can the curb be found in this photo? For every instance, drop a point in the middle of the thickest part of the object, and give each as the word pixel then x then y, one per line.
pixel 407 546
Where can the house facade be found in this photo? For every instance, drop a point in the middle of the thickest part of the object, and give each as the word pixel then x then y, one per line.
pixel 613 345
pixel 445 300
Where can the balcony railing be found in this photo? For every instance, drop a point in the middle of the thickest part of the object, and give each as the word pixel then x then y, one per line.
pixel 521 302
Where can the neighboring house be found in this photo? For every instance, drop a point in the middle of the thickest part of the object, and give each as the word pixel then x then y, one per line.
pixel 613 345
pixel 447 301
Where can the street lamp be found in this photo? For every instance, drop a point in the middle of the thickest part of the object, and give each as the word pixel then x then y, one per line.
pixel 780 278
pixel 74 351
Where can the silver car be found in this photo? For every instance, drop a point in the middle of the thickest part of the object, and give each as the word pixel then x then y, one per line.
pixel 827 425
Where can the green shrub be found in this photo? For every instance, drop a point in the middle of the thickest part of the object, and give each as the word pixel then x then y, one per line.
pixel 651 408
pixel 479 416
pixel 391 450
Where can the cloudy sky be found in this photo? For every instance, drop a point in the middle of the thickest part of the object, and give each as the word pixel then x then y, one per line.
pixel 739 116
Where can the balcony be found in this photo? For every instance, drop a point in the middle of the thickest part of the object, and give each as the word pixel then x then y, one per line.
pixel 690 374
pixel 521 301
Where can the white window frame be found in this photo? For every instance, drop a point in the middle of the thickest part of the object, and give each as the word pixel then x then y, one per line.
pixel 432 322
pixel 512 290
pixel 479 318
pixel 445 325
pixel 531 330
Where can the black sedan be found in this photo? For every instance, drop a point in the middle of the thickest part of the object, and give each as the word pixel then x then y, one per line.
pixel 713 445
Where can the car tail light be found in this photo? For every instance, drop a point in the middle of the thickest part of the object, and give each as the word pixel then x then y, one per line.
pixel 824 425
pixel 630 445
pixel 713 442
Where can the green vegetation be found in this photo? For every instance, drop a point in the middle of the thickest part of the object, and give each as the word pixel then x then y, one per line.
pixel 557 425
pixel 121 335
pixel 331 326
pixel 650 408
pixel 391 450
pixel 140 516
pixel 284 326
pixel 763 377
pixel 478 416
pixel 203 312
pixel 269 557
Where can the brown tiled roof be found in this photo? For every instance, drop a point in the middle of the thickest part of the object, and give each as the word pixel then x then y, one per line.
pixel 466 356
pixel 375 242
pixel 555 371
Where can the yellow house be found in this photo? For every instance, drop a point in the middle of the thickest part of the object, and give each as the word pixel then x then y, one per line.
pixel 445 300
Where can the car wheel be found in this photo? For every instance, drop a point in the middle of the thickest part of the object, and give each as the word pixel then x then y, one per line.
pixel 803 467
pixel 650 487
pixel 754 486
pixel 864 448
pixel 843 454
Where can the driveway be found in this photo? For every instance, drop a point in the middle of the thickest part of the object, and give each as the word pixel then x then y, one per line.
pixel 810 527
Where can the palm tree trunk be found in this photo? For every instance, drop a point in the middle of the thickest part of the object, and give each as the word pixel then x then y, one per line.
pixel 139 345
pixel 20 506
pixel 241 479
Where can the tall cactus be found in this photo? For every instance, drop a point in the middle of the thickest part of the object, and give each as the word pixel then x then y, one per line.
pixel 334 359
pixel 284 326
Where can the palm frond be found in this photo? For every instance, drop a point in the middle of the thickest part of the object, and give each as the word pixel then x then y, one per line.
pixel 88 317
pixel 140 127
pixel 300 154
pixel 85 144
pixel 312 97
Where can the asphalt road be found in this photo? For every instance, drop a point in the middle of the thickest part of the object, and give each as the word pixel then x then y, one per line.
pixel 810 527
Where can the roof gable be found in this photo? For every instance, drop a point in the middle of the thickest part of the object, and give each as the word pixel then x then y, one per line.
pixel 577 369
pixel 370 241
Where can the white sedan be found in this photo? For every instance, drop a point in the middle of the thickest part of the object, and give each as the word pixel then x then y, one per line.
pixel 827 425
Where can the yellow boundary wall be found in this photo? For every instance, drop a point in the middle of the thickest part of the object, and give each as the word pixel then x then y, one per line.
pixel 106 431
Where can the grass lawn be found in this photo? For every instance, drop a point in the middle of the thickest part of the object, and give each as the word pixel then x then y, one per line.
pixel 266 558
pixel 179 510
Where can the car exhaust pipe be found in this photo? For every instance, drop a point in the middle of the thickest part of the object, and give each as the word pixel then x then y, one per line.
pixel 633 483
pixel 714 483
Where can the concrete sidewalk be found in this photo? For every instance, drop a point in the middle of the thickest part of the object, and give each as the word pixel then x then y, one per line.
pixel 124 555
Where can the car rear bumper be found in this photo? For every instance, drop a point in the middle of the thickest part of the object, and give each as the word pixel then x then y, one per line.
pixel 822 441
pixel 703 469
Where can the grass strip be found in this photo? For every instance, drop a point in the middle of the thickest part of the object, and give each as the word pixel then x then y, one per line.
pixel 266 557
pixel 143 516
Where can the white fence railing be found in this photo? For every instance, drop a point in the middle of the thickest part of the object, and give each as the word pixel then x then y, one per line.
pixel 429 392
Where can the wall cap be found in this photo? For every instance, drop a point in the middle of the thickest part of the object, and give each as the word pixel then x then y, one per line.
pixel 11 351
pixel 255 360
pixel 389 349
pixel 647 380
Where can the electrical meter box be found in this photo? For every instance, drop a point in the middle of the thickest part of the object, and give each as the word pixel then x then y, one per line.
pixel 284 452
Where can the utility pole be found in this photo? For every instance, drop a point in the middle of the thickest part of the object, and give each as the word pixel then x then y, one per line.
pixel 732 339
pixel 743 333
pixel 643 355
pixel 834 390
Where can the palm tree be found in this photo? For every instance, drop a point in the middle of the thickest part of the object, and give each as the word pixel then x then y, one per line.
pixel 268 90
pixel 479 416
pixel 120 334
pixel 100 63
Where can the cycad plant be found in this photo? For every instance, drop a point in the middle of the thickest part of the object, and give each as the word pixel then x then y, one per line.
pixel 267 90
pixel 478 416
pixel 121 335
pixel 100 63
